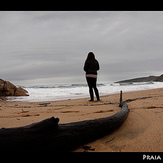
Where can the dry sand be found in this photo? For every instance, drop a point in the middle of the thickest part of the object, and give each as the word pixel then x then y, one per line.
pixel 141 132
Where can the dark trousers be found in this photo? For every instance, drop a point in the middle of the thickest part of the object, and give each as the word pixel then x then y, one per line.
pixel 92 85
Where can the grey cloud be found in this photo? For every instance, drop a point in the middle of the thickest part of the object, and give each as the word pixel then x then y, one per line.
pixel 55 43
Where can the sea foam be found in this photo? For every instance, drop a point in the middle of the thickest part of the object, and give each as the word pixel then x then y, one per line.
pixel 55 92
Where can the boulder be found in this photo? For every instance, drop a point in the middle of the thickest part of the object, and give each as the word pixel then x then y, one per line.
pixel 9 89
pixel 1 86
pixel 21 92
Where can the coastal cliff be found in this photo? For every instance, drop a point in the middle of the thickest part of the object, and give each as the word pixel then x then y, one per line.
pixel 144 79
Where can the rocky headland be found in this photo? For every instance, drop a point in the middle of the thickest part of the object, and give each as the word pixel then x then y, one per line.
pixel 9 89
pixel 144 79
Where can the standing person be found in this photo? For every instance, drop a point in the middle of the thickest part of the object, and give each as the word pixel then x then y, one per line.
pixel 91 67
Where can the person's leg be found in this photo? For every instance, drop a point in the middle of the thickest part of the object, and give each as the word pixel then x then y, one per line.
pixel 94 80
pixel 89 81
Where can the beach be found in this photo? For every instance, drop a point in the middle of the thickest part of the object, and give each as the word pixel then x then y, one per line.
pixel 141 132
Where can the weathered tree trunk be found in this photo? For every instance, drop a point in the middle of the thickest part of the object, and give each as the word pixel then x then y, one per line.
pixel 49 135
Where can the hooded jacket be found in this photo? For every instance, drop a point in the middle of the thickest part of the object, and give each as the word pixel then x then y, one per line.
pixel 91 67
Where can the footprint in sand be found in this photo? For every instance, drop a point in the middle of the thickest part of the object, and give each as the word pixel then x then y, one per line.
pixel 103 111
pixel 23 111
pixel 29 115
pixel 69 111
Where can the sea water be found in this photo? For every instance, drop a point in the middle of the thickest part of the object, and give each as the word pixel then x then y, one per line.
pixel 55 92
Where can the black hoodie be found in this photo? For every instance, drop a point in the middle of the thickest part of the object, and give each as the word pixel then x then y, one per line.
pixel 91 67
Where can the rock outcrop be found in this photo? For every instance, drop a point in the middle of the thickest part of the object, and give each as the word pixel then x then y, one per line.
pixel 144 79
pixel 9 89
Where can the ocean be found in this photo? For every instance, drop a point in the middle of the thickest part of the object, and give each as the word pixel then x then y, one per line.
pixel 55 92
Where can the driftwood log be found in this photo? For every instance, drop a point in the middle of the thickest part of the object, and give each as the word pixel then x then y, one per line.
pixel 48 135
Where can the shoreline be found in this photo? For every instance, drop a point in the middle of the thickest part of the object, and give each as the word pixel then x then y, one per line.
pixel 39 94
pixel 141 132
pixel 73 97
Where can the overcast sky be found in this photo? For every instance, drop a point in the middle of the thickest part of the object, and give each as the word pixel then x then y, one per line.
pixel 43 46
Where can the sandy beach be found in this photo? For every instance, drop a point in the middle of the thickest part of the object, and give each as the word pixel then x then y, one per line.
pixel 141 132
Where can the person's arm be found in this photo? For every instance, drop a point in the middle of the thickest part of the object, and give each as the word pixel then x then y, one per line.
pixel 98 66
pixel 85 67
